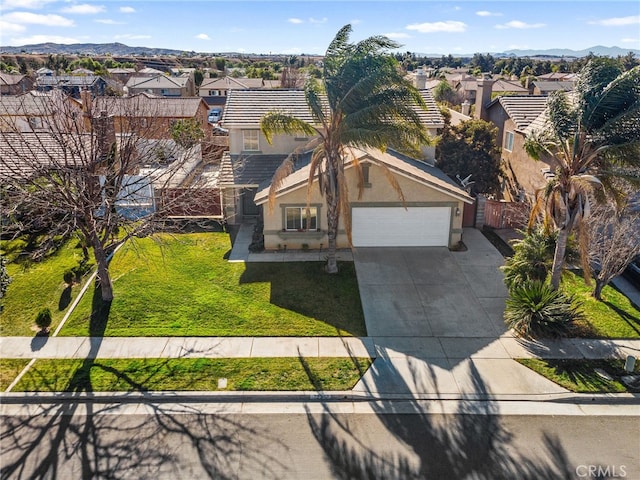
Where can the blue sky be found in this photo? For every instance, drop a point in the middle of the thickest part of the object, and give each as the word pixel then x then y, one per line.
pixel 295 27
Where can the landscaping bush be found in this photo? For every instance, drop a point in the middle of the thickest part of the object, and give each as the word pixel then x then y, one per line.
pixel 68 276
pixel 43 319
pixel 531 260
pixel 534 309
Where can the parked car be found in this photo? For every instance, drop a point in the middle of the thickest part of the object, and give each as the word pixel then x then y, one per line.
pixel 632 272
pixel 215 114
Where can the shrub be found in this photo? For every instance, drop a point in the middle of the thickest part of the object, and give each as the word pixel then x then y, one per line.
pixel 532 259
pixel 43 319
pixel 534 309
pixel 68 276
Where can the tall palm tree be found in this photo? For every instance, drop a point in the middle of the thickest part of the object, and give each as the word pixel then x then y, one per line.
pixel 363 101
pixel 594 137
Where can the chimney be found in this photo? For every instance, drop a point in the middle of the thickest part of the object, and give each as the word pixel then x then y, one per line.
pixel 86 99
pixel 105 131
pixel 466 108
pixel 420 79
pixel 483 97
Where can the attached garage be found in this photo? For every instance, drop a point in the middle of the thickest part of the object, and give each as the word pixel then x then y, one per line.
pixel 400 227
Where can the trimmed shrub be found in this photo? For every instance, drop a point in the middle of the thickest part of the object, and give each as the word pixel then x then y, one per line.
pixel 43 319
pixel 534 309
pixel 68 276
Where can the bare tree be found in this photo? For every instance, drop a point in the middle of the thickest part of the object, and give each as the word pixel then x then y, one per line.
pixel 95 168
pixel 614 241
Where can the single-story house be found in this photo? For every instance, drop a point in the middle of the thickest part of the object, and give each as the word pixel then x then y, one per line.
pixel 161 85
pixel 430 215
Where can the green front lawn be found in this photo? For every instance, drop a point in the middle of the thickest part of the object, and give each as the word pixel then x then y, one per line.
pixel 613 317
pixel 580 376
pixel 193 374
pixel 35 286
pixel 182 285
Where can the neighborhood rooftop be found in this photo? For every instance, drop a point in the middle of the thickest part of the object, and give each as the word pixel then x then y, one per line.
pixel 149 105
pixel 523 109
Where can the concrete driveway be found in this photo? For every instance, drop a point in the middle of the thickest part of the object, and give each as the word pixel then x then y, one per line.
pixel 432 292
pixel 436 321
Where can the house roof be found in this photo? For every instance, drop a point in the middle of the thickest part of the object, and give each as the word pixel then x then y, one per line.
pixel 522 109
pixel 508 86
pixel 555 76
pixel 150 71
pixel 145 105
pixel 121 70
pixel 157 81
pixel 248 170
pixel 24 105
pixel 548 86
pixel 245 108
pixel 67 80
pixel 10 79
pixel 230 83
pixel 400 164
pixel 540 122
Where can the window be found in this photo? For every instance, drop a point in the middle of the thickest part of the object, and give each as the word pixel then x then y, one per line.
pixel 250 140
pixel 508 141
pixel 297 219
pixel 36 123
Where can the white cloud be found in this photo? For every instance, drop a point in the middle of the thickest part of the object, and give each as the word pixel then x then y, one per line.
pixel 49 20
pixel 617 21
pixel 8 27
pixel 108 21
pixel 295 21
pixel 432 27
pixel 43 39
pixel 630 40
pixel 127 10
pixel 519 25
pixel 203 36
pixel 84 9
pixel 355 21
pixel 28 4
pixel 397 35
pixel 486 13
pixel 131 36
pixel 318 20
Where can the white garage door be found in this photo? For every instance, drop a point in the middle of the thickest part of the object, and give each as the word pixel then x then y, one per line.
pixel 399 227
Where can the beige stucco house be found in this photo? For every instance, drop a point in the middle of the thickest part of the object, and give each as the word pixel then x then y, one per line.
pixel 429 214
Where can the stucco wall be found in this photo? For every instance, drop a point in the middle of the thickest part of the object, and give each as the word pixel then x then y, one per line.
pixel 379 193
pixel 281 144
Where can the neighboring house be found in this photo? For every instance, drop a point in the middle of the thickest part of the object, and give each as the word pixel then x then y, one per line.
pixel 150 116
pixel 161 85
pixel 513 114
pixel 71 84
pixel 122 75
pixel 541 87
pixel 14 84
pixel 33 111
pixel 557 77
pixel 252 161
pixel 431 214
pixel 216 90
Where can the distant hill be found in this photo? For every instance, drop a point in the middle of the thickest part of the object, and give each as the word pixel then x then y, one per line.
pixel 116 49
pixel 120 49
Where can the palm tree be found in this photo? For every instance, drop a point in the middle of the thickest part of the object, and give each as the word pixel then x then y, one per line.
pixel 594 137
pixel 364 101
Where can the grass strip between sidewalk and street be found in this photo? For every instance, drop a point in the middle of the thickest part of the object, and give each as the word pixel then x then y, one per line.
pixel 580 376
pixel 9 369
pixel 191 374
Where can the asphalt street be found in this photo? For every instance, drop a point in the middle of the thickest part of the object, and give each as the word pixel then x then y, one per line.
pixel 382 440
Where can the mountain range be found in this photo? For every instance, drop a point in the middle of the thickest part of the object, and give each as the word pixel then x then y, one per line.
pixel 120 49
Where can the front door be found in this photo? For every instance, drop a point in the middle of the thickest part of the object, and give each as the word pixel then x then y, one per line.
pixel 249 208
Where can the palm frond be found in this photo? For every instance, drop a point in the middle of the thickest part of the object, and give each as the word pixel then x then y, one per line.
pixel 276 122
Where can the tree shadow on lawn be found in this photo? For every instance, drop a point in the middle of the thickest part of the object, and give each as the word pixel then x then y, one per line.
pixel 83 436
pixel 631 320
pixel 305 288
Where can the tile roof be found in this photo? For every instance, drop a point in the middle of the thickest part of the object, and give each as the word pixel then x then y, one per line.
pixel 248 170
pixel 10 79
pixel 508 86
pixel 231 83
pixel 67 80
pixel 549 86
pixel 522 109
pixel 245 108
pixel 26 104
pixel 419 171
pixel 145 105
pixel 157 81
